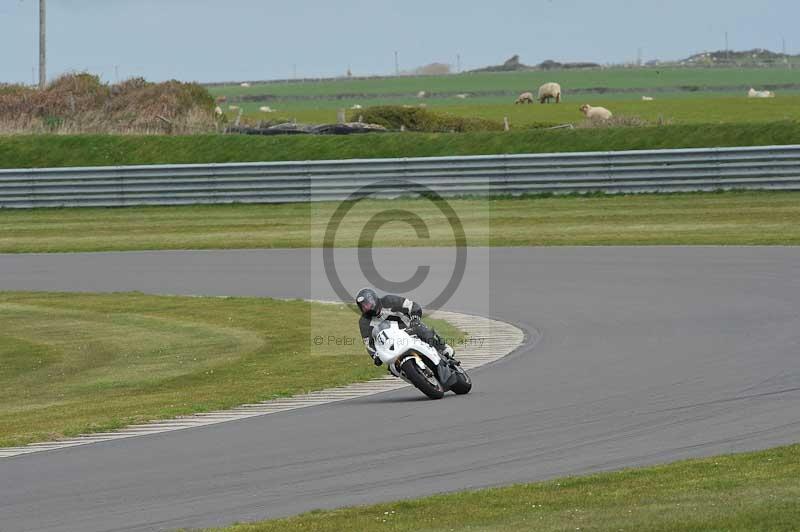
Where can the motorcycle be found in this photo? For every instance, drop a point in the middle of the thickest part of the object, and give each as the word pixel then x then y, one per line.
pixel 418 363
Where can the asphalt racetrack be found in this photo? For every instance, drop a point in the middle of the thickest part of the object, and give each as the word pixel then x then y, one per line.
pixel 634 356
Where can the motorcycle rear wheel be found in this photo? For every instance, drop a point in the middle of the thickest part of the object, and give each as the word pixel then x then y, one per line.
pixel 414 374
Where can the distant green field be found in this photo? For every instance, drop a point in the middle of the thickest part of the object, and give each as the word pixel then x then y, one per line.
pixel 613 78
pixel 682 95
pixel 706 109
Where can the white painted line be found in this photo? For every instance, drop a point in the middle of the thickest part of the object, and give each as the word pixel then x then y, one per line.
pixel 498 340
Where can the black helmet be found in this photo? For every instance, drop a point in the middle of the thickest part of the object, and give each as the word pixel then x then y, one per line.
pixel 368 302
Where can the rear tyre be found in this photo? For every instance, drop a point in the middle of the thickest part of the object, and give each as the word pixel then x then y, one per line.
pixel 463 383
pixel 425 381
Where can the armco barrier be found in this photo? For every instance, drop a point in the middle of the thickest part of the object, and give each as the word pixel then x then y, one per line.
pixel 769 167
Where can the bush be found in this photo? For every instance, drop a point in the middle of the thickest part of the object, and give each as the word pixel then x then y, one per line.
pixel 421 119
pixel 81 103
pixel 615 121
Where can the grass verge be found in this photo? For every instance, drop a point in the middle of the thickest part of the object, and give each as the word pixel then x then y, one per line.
pixel 730 218
pixel 43 151
pixel 742 492
pixel 78 363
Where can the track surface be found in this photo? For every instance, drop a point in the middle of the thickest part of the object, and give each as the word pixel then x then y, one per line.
pixel 644 355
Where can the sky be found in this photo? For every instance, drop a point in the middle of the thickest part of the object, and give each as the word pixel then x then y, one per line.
pixel 236 40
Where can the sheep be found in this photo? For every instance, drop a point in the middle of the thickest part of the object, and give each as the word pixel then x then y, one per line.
pixel 752 93
pixel 550 90
pixel 595 113
pixel 245 84
pixel 266 109
pixel 422 94
pixel 356 106
pixel 462 96
pixel 525 97
pixel 647 98
pixel 218 110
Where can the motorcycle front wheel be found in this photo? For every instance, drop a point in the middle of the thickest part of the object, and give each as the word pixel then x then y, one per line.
pixel 424 380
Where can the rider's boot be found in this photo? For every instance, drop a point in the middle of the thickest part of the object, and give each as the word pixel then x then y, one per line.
pixel 446 351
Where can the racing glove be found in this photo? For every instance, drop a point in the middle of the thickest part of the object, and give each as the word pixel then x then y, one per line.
pixel 372 353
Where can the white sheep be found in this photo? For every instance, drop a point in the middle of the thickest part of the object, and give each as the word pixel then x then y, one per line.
pixel 752 93
pixel 356 106
pixel 525 97
pixel 218 110
pixel 647 98
pixel 595 113
pixel 422 94
pixel 462 96
pixel 548 91
pixel 266 109
pixel 245 84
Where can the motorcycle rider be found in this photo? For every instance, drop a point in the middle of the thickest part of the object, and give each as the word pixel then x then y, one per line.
pixel 405 312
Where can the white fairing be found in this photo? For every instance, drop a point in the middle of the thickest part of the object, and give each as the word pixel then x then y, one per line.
pixel 392 343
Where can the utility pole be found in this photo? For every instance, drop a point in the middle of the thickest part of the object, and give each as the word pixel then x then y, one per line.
pixel 458 63
pixel 396 64
pixel 727 53
pixel 42 44
pixel 783 50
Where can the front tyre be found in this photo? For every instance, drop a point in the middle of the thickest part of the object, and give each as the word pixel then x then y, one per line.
pixel 424 380
pixel 463 383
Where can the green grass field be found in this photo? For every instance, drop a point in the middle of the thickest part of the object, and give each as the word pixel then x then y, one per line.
pixel 718 109
pixel 612 78
pixel 736 493
pixel 44 151
pixel 682 95
pixel 741 218
pixel 78 363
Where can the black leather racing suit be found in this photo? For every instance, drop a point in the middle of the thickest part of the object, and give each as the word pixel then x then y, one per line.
pixel 403 311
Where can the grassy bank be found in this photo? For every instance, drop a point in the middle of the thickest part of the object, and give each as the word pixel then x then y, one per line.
pixel 737 493
pixel 741 218
pixel 77 363
pixel 86 150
